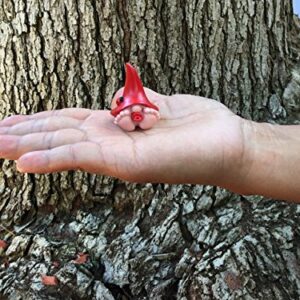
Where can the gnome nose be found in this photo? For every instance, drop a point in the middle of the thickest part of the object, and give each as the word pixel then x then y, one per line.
pixel 137 116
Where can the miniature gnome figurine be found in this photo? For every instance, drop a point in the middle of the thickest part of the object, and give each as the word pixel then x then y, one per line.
pixel 133 108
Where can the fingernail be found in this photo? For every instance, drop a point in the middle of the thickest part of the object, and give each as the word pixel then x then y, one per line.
pixel 20 168
pixel 8 145
pixel 30 162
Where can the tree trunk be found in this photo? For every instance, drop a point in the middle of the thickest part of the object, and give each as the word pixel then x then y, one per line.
pixel 146 241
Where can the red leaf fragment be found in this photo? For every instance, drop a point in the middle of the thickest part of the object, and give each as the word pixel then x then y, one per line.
pixel 81 258
pixel 49 280
pixel 3 244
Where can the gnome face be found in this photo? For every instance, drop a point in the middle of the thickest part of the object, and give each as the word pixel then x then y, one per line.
pixel 133 94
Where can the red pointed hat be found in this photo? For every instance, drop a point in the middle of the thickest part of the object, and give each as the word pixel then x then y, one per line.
pixel 133 92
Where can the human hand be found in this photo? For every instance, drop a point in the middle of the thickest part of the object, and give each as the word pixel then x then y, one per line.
pixel 197 140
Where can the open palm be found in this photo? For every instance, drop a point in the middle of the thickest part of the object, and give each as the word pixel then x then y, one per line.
pixel 192 142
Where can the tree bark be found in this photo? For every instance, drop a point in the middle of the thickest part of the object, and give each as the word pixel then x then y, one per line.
pixel 147 241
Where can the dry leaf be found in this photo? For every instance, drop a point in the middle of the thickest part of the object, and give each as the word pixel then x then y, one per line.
pixel 81 258
pixel 49 280
pixel 3 244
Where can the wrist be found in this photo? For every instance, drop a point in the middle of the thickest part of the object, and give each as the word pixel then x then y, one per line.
pixel 259 156
pixel 253 158
pixel 270 162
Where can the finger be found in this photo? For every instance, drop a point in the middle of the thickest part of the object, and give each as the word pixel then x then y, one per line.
pixel 68 157
pixel 14 146
pixel 154 96
pixel 40 125
pixel 76 113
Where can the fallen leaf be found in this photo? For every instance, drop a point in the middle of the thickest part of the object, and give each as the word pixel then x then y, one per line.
pixel 49 280
pixel 81 258
pixel 3 244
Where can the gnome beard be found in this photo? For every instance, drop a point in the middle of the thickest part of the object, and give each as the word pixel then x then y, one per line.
pixel 134 109
pixel 137 115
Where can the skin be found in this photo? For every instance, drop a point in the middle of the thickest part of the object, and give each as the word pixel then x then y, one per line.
pixel 196 140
